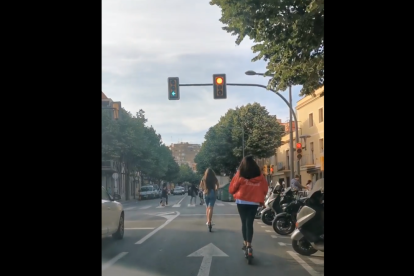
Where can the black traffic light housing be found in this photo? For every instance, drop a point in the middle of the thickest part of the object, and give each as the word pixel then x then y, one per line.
pixel 173 88
pixel 299 150
pixel 219 86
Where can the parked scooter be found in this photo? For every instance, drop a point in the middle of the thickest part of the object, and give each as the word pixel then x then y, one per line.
pixel 275 203
pixel 308 236
pixel 260 208
pixel 284 222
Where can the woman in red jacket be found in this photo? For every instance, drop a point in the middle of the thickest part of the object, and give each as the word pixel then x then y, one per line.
pixel 249 188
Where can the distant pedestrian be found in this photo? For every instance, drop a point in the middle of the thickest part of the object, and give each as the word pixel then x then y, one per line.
pixel 193 194
pixel 164 195
pixel 295 184
pixel 200 194
pixel 309 185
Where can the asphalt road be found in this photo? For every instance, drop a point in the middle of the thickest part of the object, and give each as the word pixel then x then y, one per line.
pixel 158 241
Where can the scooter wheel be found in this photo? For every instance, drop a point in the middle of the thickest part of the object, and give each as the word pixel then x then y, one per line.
pixel 210 227
pixel 303 247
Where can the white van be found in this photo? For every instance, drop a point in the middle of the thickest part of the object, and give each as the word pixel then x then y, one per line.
pixel 148 192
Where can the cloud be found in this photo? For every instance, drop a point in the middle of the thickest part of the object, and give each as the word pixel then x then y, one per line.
pixel 145 42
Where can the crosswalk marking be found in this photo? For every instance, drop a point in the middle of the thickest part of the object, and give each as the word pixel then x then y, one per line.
pixel 190 205
pixel 283 244
pixel 145 207
pixel 219 204
pixel 160 206
pixel 232 204
pixel 176 205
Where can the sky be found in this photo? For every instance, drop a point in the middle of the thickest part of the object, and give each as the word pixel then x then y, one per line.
pixel 146 41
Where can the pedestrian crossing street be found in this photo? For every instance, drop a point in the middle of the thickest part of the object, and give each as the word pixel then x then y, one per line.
pixel 179 205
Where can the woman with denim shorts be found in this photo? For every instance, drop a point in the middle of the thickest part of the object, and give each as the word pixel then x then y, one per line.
pixel 209 185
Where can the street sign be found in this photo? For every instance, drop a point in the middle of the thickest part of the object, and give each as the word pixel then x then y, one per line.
pixel 115 176
pixel 207 252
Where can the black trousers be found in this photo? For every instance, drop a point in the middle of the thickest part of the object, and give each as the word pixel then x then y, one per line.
pixel 247 213
pixel 166 200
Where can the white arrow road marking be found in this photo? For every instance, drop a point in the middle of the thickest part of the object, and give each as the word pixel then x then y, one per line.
pixel 169 216
pixel 207 252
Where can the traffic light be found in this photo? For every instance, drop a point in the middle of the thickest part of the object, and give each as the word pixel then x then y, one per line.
pixel 299 150
pixel 271 169
pixel 219 84
pixel 265 169
pixel 116 106
pixel 173 88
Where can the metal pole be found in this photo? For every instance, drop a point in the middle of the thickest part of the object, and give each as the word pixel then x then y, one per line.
pixel 243 139
pixel 291 160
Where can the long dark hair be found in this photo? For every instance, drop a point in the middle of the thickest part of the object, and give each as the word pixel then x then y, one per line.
pixel 248 168
pixel 210 179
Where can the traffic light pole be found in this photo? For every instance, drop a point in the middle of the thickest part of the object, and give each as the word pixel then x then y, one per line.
pixel 292 112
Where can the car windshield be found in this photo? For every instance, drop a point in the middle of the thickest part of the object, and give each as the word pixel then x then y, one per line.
pixel 182 109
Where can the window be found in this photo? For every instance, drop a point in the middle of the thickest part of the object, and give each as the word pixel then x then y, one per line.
pixel 320 115
pixel 104 194
pixel 321 145
pixel 311 119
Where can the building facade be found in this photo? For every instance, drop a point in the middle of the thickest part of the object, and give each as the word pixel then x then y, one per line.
pixel 310 115
pixel 185 153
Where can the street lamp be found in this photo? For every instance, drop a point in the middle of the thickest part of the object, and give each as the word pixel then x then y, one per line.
pixel 292 163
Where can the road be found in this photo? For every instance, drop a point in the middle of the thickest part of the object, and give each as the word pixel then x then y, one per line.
pixel 158 241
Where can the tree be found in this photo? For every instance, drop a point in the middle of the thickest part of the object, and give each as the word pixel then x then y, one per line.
pixel 187 175
pixel 222 150
pixel 137 146
pixel 289 35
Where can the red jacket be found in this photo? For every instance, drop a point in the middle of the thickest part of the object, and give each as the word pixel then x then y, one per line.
pixel 253 190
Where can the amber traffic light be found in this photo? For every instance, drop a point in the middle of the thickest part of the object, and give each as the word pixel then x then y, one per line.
pixel 219 86
pixel 173 88
pixel 299 150
pixel 271 169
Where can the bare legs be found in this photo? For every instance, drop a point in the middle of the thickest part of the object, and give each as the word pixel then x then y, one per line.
pixel 209 214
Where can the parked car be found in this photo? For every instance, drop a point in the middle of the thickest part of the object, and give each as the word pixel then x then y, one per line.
pixel 178 191
pixel 112 216
pixel 149 192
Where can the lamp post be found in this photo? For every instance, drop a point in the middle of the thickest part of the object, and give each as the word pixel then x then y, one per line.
pixel 291 149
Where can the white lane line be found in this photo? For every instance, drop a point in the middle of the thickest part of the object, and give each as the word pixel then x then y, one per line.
pixel 317 261
pixel 283 244
pixel 157 229
pixel 160 206
pixel 268 231
pixel 141 228
pixel 145 207
pixel 262 226
pixel 219 204
pixel 274 236
pixel 307 267
pixel 129 208
pixel 232 204
pixel 113 260
pixel 259 222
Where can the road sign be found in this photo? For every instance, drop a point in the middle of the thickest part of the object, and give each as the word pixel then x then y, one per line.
pixel 207 252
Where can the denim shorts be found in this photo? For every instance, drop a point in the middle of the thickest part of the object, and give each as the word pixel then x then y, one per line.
pixel 210 198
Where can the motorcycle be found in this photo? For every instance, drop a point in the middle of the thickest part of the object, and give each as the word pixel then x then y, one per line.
pixel 308 237
pixel 275 204
pixel 284 222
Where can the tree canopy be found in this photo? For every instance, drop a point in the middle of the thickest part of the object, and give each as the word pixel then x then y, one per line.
pixel 222 149
pixel 128 140
pixel 187 175
pixel 289 34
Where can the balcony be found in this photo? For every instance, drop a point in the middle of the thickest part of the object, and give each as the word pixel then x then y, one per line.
pixel 308 160
pixel 282 167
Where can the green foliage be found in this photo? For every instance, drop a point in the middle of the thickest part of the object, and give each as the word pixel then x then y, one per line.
pixel 222 150
pixel 139 147
pixel 289 35
pixel 187 175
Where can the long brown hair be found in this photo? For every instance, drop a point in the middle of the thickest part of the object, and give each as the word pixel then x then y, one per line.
pixel 210 180
pixel 248 168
